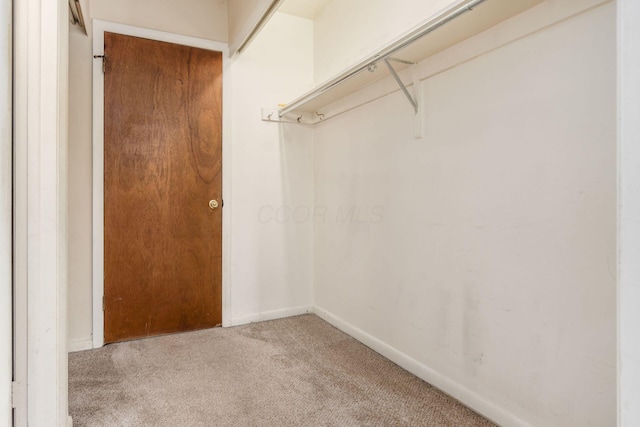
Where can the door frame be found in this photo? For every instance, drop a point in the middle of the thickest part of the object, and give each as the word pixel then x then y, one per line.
pixel 628 342
pixel 40 95
pixel 6 217
pixel 99 28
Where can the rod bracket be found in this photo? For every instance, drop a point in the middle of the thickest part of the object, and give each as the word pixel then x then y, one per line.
pixel 272 115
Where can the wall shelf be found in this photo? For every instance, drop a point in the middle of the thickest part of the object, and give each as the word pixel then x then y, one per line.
pixel 463 19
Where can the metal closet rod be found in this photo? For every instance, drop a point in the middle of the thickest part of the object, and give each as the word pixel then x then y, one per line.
pixel 382 55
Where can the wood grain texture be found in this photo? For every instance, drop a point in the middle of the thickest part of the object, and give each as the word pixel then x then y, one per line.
pixel 163 163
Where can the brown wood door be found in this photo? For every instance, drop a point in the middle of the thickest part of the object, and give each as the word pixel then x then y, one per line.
pixel 162 166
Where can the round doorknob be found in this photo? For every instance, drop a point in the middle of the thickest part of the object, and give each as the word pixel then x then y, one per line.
pixel 213 204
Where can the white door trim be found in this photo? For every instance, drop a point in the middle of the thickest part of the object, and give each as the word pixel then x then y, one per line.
pixel 40 236
pixel 99 28
pixel 628 213
pixel 6 221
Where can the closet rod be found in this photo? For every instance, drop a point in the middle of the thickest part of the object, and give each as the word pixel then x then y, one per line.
pixel 381 55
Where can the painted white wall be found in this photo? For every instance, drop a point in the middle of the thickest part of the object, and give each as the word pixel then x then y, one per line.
pixel 346 31
pixel 243 17
pixel 79 186
pixel 6 311
pixel 272 175
pixel 484 254
pixel 205 19
pixel 238 11
pixel 629 212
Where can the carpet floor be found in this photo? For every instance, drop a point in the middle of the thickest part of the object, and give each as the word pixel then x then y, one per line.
pixel 298 371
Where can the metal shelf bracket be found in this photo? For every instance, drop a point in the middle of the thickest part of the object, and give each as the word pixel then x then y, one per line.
pixel 413 101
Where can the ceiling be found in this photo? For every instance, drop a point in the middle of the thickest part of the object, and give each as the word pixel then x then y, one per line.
pixel 308 9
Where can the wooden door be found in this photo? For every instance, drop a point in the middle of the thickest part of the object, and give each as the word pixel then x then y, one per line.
pixel 162 167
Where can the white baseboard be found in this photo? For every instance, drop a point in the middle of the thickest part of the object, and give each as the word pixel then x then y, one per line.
pixel 87 344
pixel 270 315
pixel 467 397
pixel 79 345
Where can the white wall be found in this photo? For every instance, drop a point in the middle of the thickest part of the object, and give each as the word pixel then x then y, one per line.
pixel 271 262
pixel 206 19
pixel 272 175
pixel 243 17
pixel 348 30
pixel 6 344
pixel 79 185
pixel 238 11
pixel 629 212
pixel 483 256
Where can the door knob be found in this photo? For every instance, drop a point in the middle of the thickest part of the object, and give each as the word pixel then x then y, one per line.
pixel 213 204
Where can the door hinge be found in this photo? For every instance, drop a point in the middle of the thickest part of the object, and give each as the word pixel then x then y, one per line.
pixel 18 394
pixel 104 62
pixel 103 303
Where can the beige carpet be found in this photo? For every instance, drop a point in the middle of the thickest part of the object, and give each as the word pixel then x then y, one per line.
pixel 298 371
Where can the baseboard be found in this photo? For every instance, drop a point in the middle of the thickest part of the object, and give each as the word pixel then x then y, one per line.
pixel 456 390
pixel 87 344
pixel 270 315
pixel 79 345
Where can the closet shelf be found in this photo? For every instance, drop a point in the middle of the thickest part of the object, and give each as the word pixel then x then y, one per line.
pixel 463 19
